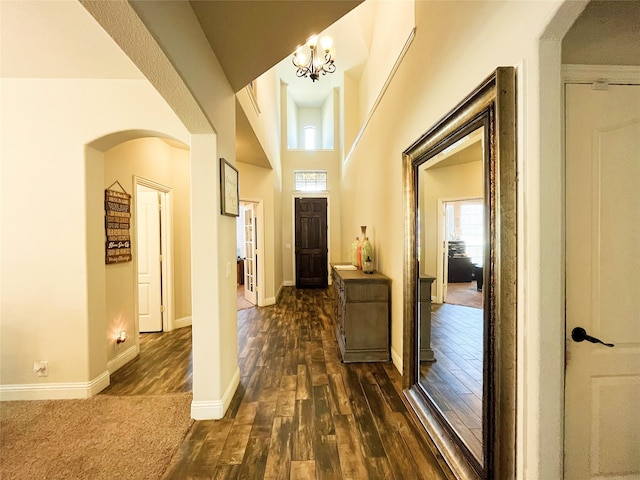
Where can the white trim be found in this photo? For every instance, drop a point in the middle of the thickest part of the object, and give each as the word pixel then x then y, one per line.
pixel 54 391
pixel 396 65
pixel 287 283
pixel 182 322
pixel 283 284
pixel 123 358
pixel 396 358
pixel 442 267
pixel 524 240
pixel 582 74
pixel 269 301
pixel 215 409
pixel 253 95
pixel 616 74
pixel 166 203
pixel 258 215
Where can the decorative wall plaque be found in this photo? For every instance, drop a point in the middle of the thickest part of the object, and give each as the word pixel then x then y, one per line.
pixel 117 206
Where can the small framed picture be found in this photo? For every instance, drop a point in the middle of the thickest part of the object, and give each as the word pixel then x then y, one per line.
pixel 229 189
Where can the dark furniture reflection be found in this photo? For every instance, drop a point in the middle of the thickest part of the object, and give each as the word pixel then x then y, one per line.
pixel 424 318
pixel 240 271
pixel 460 267
pixel 478 274
pixel 361 310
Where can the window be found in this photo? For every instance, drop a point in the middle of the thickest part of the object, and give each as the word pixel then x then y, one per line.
pixel 309 138
pixel 465 221
pixel 310 180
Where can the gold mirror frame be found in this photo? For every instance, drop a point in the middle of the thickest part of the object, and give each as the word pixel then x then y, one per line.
pixel 494 100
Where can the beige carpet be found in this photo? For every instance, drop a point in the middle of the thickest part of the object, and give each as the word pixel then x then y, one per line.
pixel 104 437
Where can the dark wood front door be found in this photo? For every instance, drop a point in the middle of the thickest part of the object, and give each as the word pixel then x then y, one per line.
pixel 311 242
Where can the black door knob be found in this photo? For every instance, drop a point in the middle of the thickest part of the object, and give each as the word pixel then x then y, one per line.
pixel 579 334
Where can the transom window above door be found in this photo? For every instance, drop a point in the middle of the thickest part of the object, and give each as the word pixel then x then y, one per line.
pixel 310 180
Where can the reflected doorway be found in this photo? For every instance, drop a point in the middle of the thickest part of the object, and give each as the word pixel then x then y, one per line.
pixel 452 244
pixel 463 251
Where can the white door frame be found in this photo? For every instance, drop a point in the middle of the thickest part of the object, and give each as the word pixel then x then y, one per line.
pixel 259 235
pixel 441 265
pixel 293 229
pixel 166 232
pixel 599 75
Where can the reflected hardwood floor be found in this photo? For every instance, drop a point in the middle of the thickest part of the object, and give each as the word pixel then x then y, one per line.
pixel 455 379
pixel 299 413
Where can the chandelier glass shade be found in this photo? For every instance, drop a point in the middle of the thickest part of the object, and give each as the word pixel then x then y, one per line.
pixel 318 61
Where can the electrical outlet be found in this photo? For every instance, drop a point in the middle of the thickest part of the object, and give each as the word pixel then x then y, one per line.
pixel 41 367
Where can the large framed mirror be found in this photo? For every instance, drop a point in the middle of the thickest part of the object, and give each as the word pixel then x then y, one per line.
pixel 460 270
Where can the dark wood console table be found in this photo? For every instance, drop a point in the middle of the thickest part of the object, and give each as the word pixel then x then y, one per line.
pixel 361 310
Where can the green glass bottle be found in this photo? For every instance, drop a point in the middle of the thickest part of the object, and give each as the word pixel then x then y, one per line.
pixel 367 256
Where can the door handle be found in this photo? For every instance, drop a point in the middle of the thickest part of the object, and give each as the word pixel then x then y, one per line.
pixel 579 334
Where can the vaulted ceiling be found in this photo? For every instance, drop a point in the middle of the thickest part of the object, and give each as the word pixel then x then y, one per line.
pixel 248 38
pixel 251 36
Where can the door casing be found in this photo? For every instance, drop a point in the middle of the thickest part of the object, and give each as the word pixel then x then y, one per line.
pixel 293 229
pixel 587 74
pixel 166 203
pixel 258 207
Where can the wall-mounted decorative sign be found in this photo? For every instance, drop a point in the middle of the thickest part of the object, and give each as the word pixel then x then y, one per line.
pixel 229 189
pixel 117 207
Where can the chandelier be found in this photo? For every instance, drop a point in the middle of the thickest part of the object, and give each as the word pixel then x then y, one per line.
pixel 315 64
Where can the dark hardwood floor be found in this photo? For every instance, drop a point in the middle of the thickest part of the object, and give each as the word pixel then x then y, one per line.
pixel 455 379
pixel 163 366
pixel 299 413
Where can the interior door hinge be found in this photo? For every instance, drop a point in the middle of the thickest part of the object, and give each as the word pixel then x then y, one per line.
pixel 161 308
pixel 161 259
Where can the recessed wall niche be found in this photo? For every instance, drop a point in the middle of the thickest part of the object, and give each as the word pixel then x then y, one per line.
pixel 317 113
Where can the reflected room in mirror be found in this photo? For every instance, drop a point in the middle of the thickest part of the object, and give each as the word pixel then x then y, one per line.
pixel 460 269
pixel 451 245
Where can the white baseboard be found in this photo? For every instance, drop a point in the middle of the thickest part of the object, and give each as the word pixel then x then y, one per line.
pixel 54 391
pixel 287 283
pixel 182 322
pixel 269 301
pixel 396 358
pixel 215 409
pixel 123 358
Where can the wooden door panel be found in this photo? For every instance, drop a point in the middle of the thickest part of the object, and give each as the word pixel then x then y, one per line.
pixel 602 385
pixel 250 263
pixel 311 242
pixel 149 272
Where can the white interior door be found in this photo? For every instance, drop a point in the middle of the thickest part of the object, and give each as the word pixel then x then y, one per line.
pixel 149 260
pixel 602 389
pixel 250 274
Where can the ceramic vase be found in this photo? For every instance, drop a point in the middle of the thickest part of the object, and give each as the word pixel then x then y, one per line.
pixel 360 245
pixel 367 256
pixel 354 252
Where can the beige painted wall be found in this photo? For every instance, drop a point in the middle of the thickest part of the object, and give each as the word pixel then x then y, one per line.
pixel 257 184
pixel 175 27
pixel 446 183
pixel 49 269
pixel 328 160
pixel 447 59
pixel 152 159
pixel 266 117
pixel 393 22
pixel 457 45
